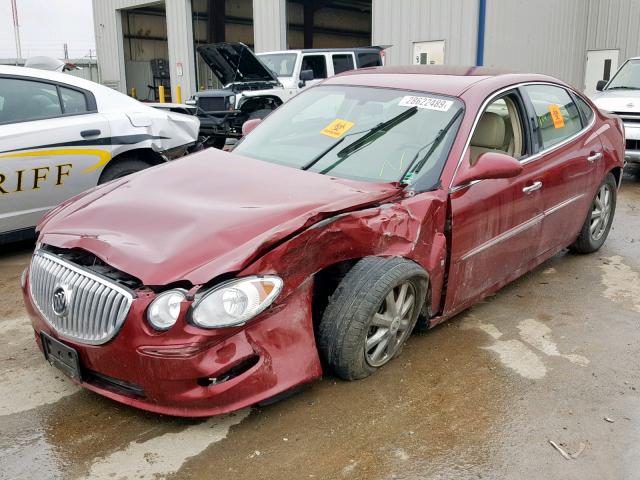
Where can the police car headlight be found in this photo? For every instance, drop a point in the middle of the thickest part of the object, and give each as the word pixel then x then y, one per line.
pixel 163 312
pixel 235 302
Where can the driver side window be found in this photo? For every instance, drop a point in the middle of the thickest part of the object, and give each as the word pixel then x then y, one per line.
pixel 500 129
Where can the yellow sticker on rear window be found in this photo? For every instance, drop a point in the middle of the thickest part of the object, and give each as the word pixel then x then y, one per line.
pixel 556 116
pixel 337 128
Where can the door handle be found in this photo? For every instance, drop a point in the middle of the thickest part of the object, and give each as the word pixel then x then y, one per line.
pixel 89 133
pixel 533 187
pixel 594 156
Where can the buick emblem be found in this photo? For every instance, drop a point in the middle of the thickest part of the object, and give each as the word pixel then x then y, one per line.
pixel 60 301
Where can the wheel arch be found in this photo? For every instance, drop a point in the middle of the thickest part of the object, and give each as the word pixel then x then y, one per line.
pixel 327 279
pixel 145 154
pixel 617 174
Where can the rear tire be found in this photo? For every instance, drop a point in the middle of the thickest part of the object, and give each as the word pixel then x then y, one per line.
pixel 122 169
pixel 597 225
pixel 370 315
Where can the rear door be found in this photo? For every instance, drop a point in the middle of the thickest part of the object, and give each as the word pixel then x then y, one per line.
pixel 570 154
pixel 496 223
pixel 52 145
pixel 342 62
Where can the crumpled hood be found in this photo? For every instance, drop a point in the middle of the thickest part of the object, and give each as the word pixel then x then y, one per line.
pixel 201 216
pixel 618 100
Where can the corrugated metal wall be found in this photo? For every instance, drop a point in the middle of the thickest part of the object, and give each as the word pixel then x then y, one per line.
pixel 403 22
pixel 614 24
pixel 543 36
pixel 270 25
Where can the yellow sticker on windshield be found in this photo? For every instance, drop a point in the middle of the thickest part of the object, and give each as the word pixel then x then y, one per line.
pixel 556 116
pixel 337 128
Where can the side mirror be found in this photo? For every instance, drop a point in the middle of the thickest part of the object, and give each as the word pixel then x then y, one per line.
pixel 305 76
pixel 249 125
pixel 491 165
pixel 600 85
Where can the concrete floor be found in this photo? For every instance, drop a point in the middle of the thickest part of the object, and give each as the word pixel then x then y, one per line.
pixel 552 357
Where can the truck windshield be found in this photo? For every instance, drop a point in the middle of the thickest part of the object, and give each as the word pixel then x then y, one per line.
pixel 360 133
pixel 282 64
pixel 627 78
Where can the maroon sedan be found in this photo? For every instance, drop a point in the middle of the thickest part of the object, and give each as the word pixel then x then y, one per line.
pixel 376 202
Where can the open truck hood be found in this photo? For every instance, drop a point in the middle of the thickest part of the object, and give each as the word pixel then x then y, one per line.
pixel 235 63
pixel 201 216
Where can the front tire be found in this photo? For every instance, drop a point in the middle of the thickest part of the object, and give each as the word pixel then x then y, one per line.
pixel 371 315
pixel 122 169
pixel 597 225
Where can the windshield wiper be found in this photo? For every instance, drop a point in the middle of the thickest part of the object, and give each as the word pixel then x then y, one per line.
pixel 381 126
pixel 623 87
pixel 375 133
pixel 433 144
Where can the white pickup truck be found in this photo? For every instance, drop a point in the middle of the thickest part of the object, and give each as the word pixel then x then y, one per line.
pixel 254 85
pixel 621 95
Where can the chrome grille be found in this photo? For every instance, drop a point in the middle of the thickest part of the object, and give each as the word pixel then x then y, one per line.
pixel 95 307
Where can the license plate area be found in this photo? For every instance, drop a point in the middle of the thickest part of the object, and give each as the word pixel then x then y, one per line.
pixel 61 356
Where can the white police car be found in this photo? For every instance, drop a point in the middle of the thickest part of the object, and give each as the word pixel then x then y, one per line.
pixel 60 135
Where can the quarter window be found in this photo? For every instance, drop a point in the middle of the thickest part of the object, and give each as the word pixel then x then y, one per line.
pixel 24 100
pixel 586 110
pixel 73 101
pixel 317 63
pixel 342 63
pixel 557 115
pixel 368 59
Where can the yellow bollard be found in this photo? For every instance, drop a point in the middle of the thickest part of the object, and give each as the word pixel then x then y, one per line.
pixel 161 93
pixel 133 92
pixel 178 94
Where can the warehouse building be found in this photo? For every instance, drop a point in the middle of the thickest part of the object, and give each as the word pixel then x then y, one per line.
pixel 142 44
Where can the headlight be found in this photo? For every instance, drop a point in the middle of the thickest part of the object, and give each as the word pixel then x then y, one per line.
pixel 233 303
pixel 232 102
pixel 164 310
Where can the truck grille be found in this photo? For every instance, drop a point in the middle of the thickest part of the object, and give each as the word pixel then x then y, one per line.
pixel 633 144
pixel 629 117
pixel 78 304
pixel 212 104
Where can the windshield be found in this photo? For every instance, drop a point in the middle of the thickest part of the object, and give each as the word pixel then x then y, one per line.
pixel 282 64
pixel 360 133
pixel 627 78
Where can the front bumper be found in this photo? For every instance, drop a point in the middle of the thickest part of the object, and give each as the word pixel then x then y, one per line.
pixel 632 147
pixel 194 373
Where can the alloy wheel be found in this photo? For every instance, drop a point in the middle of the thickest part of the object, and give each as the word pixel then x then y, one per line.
pixel 601 212
pixel 390 325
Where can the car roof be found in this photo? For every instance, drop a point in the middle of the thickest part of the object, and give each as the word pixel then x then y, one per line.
pixel 48 75
pixel 326 50
pixel 442 79
pixel 107 99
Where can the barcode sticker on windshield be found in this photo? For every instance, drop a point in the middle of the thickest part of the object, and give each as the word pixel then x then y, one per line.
pixel 426 102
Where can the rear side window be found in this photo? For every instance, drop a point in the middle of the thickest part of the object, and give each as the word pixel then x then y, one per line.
pixel 342 63
pixel 24 100
pixel 73 101
pixel 369 59
pixel 558 116
pixel 317 63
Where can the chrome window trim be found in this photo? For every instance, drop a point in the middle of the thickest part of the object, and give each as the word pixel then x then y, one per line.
pixel 526 160
pixel 129 295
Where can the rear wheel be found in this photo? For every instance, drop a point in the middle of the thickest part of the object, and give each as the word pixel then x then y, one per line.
pixel 370 315
pixel 598 222
pixel 121 169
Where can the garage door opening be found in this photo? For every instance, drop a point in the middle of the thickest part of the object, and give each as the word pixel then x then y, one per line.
pixel 219 21
pixel 328 23
pixel 146 54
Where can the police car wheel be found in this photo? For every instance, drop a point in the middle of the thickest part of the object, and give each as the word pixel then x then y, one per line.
pixel 122 169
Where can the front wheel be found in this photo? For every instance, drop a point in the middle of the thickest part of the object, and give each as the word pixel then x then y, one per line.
pixel 599 219
pixel 371 315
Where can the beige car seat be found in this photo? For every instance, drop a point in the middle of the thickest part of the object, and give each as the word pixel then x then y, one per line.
pixel 490 135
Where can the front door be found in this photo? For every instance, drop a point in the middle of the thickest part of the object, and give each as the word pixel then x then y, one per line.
pixel 495 224
pixel 50 148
